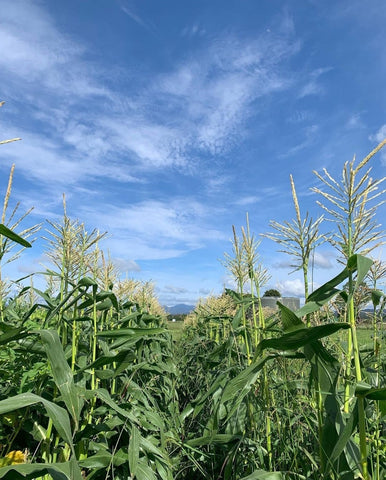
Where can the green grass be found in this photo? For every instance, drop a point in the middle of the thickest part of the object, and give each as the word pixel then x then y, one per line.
pixel 176 329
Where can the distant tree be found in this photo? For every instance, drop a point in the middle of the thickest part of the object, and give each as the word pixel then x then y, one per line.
pixel 272 293
pixel 178 317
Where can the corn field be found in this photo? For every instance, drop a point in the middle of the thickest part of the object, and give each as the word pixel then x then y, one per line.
pixel 93 386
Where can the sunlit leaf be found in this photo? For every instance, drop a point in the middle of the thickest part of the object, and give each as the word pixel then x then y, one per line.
pixel 13 236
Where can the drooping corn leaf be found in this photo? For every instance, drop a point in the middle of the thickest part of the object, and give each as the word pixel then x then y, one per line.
pixel 13 236
pixel 365 390
pixel 300 337
pixel 62 374
pixel 58 415
pixel 57 471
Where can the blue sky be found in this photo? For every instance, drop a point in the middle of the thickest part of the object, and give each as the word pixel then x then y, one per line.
pixel 164 122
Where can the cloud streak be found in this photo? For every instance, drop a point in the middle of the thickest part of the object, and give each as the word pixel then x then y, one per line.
pixel 198 107
pixel 155 229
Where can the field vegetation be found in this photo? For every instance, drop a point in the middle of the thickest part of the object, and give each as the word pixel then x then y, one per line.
pixel 93 385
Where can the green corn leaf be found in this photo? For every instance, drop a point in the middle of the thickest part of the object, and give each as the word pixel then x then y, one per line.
pixel 162 472
pixel 301 337
pixel 105 374
pixel 382 407
pixel 216 386
pixel 57 471
pixel 62 374
pixel 106 304
pixel 13 236
pixel 150 448
pixel 87 282
pixel 58 415
pixel 360 264
pixel 107 294
pixel 103 302
pixel 325 291
pixel 133 453
pixel 104 395
pixel 216 439
pixel 323 294
pixel 102 460
pixel 237 297
pixel 263 475
pixel 344 436
pixel 125 357
pixel 13 334
pixel 376 296
pixel 144 472
pixel 131 332
pixel 240 386
pixel 49 301
pixel 365 390
pixel 289 319
pixel 237 319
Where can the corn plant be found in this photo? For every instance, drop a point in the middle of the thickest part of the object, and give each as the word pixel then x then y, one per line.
pixel 298 238
pixel 352 209
pixel 9 239
pixel 78 400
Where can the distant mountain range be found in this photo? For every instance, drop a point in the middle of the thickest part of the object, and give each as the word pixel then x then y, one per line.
pixel 181 308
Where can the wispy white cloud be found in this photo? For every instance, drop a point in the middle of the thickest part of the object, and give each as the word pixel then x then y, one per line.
pixel 124 265
pixel 249 200
pixel 323 260
pixel 204 291
pixel 155 229
pixel 378 137
pixel 148 145
pixel 200 106
pixel 314 86
pixel 300 116
pixel 287 264
pixel 308 134
pixel 174 289
pixel 35 54
pixel 355 121
pixel 217 182
pixel 215 94
pixel 291 287
pixel 311 88
pixel 193 30
pixel 129 9
pixel 48 161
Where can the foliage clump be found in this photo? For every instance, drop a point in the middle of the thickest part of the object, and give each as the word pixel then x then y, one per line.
pixel 272 293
